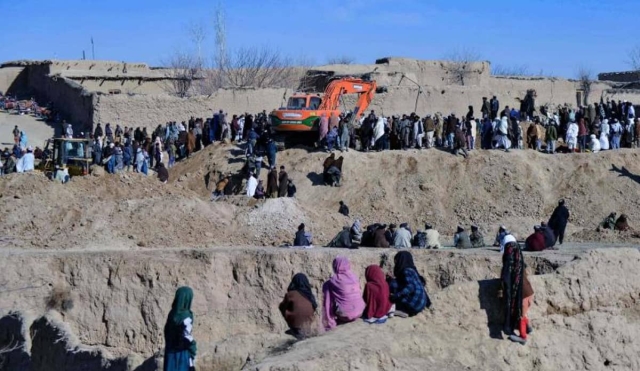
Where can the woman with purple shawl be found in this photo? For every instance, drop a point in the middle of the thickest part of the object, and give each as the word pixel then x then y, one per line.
pixel 343 301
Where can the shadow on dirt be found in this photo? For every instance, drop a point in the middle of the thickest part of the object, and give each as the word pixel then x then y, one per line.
pixel 492 305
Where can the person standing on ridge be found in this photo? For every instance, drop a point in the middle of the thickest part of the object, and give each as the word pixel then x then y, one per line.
pixel 558 221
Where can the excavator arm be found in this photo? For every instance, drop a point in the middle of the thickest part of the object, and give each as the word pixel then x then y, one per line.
pixel 365 90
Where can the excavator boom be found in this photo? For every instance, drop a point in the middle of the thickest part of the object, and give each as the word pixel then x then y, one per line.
pixel 302 113
pixel 333 92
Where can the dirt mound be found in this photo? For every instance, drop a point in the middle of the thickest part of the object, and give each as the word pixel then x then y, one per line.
pixel 491 188
pixel 112 211
pixel 518 189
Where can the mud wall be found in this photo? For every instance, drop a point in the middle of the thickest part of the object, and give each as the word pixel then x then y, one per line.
pixel 67 96
pixel 12 80
pixel 152 110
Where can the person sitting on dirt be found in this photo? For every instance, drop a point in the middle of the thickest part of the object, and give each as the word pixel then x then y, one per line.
pixel 594 144
pixel 461 239
pixel 291 189
pixel 376 296
pixel 252 184
pixel 433 237
pixel 402 237
pixel 26 163
pixel 61 174
pixel 298 306
pixel 356 232
pixel 328 162
pixel 343 301
pixel 609 222
pixel 344 209
pixel 380 238
pixel 180 347
pixel 163 173
pixel 549 237
pixel 502 231
pixel 220 186
pixel 342 239
pixel 407 287
pixel 259 194
pixel 9 163
pixel 516 291
pixel 621 224
pixel 283 181
pixel 334 176
pixel 302 237
pixel 536 241
pixel 476 238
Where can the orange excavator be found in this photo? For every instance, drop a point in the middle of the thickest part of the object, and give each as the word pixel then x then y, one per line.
pixel 301 117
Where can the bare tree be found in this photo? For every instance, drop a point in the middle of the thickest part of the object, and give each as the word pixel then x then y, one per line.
pixel 460 64
pixel 634 58
pixel 343 59
pixel 197 34
pixel 183 69
pixel 258 68
pixel 516 70
pixel 219 25
pixel 585 80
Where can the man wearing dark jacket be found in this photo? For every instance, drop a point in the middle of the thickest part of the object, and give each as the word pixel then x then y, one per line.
pixel 379 237
pixel 495 106
pixel 163 173
pixel 460 142
pixel 283 181
pixel 486 108
pixel 301 237
pixel 344 209
pixel 558 221
pixel 272 183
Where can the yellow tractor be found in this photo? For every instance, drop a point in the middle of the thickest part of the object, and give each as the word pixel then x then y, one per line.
pixel 75 154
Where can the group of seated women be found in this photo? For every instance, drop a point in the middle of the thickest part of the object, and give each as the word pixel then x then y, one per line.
pixel 401 295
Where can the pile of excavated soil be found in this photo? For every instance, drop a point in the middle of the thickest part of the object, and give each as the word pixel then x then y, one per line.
pixel 491 188
pixel 106 212
pixel 519 189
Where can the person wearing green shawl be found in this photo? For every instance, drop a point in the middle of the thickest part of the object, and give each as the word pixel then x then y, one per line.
pixel 180 347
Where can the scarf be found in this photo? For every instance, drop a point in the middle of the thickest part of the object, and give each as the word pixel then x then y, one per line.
pixel 342 291
pixel 173 329
pixel 402 261
pixel 512 279
pixel 181 307
pixel 376 293
pixel 300 283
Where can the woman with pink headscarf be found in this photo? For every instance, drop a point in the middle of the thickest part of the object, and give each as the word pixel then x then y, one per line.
pixel 343 301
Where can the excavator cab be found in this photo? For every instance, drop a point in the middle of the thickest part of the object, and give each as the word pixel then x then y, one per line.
pixel 304 102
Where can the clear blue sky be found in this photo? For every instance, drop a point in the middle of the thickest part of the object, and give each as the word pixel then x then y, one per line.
pixel 555 36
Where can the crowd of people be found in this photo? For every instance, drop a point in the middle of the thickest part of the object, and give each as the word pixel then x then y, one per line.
pixel 21 158
pixel 398 293
pixel 594 127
